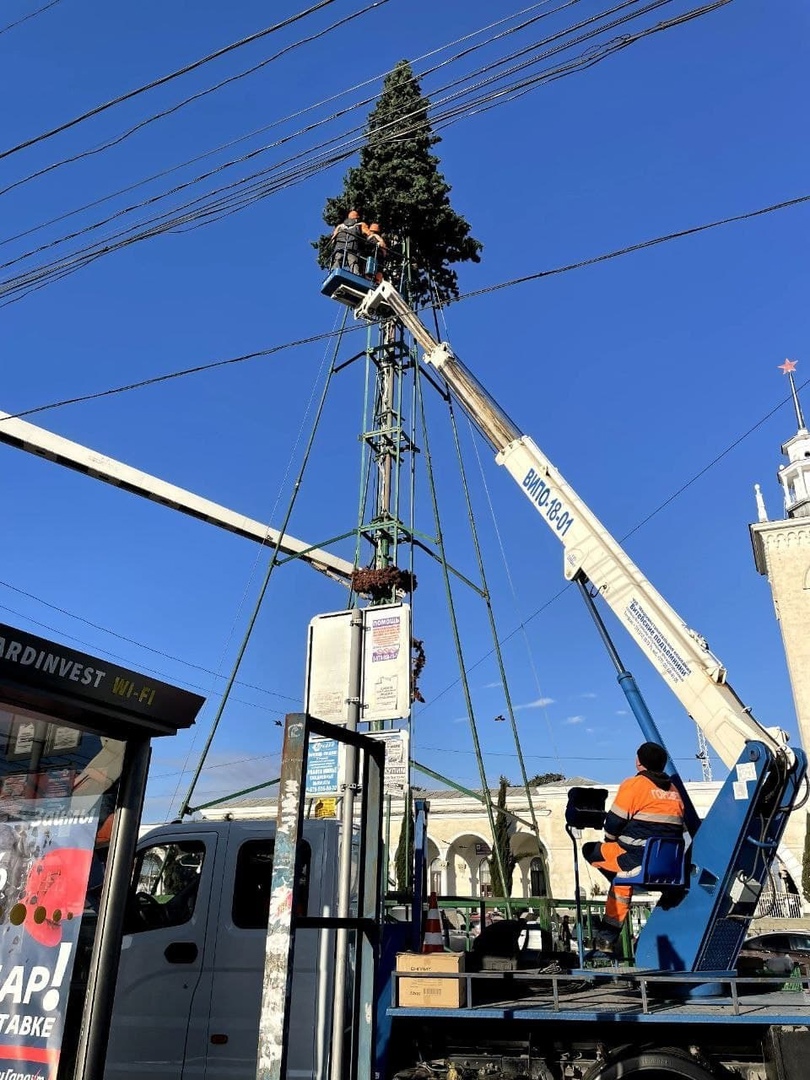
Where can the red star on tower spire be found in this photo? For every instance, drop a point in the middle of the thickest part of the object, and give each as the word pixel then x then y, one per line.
pixel 788 366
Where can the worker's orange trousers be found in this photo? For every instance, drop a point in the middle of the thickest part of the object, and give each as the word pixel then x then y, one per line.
pixel 605 857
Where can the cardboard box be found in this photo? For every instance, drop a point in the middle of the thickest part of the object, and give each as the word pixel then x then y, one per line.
pixel 427 993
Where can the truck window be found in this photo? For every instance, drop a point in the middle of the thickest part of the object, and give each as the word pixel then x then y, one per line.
pixel 252 881
pixel 165 885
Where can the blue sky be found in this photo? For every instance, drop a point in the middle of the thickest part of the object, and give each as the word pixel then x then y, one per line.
pixel 633 375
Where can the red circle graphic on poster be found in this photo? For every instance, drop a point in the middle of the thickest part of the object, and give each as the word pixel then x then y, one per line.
pixel 55 892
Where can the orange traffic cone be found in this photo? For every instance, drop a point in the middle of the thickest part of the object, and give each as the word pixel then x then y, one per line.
pixel 434 939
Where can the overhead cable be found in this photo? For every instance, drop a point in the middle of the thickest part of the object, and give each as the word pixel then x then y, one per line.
pixel 351 139
pixel 30 15
pixel 566 268
pixel 640 246
pixel 132 641
pixel 267 127
pixel 125 660
pixel 155 379
pixel 238 194
pixel 116 140
pixel 163 79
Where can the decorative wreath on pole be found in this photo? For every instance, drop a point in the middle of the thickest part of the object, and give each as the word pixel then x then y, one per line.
pixel 378 584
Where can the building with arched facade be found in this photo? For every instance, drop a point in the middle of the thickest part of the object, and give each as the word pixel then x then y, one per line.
pixel 459 845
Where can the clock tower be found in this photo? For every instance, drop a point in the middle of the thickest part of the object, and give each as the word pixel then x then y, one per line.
pixel 782 554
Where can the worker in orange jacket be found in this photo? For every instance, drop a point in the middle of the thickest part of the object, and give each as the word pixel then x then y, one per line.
pixel 378 252
pixel 646 805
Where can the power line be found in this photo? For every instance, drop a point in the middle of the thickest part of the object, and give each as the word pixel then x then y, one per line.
pixel 133 641
pixel 30 15
pixel 275 123
pixel 541 757
pixel 538 275
pixel 594 260
pixel 118 139
pixel 352 108
pixel 155 379
pixel 163 79
pixel 152 671
pixel 228 199
pixel 355 137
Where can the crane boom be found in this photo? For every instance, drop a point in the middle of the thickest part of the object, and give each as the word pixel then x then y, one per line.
pixel 44 444
pixel 694 674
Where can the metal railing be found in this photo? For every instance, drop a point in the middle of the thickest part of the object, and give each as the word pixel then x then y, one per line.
pixel 544 913
pixel 779 906
pixel 638 982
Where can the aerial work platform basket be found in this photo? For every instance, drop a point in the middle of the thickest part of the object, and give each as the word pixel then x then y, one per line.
pixel 351 289
pixel 347 288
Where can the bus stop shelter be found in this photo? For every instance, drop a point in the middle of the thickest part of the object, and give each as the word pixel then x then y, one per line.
pixel 75 734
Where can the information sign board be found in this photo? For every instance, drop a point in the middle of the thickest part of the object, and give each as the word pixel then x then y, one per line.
pixel 385 692
pixel 395 776
pixel 323 761
pixel 328 667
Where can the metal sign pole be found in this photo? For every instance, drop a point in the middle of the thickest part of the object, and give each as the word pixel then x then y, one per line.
pixel 100 993
pixel 347 818
pixel 278 965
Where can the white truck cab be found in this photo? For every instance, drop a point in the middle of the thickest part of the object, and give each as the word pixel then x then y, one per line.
pixel 190 977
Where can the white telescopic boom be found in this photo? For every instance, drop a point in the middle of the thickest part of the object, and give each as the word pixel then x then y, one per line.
pixel 681 656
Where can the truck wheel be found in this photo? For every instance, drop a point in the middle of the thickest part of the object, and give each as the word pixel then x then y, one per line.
pixel 653 1065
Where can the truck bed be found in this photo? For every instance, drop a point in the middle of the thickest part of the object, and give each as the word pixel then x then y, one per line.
pixel 649 997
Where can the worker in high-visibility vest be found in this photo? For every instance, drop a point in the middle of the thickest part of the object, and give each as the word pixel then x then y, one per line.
pixel 646 805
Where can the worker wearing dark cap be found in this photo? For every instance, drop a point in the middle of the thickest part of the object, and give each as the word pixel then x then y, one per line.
pixel 646 805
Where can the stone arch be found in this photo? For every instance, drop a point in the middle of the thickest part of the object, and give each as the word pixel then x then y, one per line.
pixel 465 854
pixel 531 866
pixel 436 866
pixel 781 896
pixel 792 867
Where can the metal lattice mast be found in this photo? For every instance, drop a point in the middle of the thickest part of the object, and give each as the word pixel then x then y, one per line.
pixel 388 443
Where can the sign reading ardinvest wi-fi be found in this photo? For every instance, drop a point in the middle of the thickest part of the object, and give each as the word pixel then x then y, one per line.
pixel 384 664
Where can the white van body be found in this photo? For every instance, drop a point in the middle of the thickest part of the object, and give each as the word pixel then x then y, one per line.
pixel 190 978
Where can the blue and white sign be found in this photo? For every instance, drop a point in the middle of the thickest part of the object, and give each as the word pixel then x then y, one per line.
pixel 322 766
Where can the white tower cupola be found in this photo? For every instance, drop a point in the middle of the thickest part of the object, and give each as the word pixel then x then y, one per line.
pixel 795 475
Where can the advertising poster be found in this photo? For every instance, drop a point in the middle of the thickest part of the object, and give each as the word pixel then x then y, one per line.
pixel 397 761
pixel 387 662
pixel 46 850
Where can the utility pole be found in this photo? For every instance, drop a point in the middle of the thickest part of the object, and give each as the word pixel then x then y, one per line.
pixel 386 443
